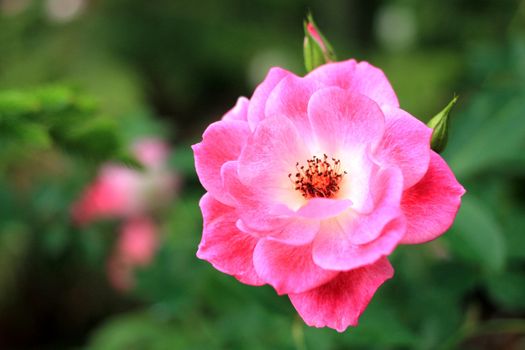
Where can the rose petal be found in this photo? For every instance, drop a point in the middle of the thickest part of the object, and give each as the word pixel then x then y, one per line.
pixel 260 95
pixel 340 302
pixel 269 157
pixel 386 197
pixel 406 144
pixel 239 111
pixel 317 208
pixel 290 98
pixel 258 218
pixel 289 269
pixel 333 250
pixel 222 142
pixel 431 205
pixel 352 240
pixel 223 245
pixel 359 77
pixel 344 121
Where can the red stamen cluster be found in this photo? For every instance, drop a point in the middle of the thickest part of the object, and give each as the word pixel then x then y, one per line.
pixel 319 178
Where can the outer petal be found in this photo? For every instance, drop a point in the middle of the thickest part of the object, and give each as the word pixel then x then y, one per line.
pixel 260 95
pixel 432 204
pixel 344 121
pixel 239 111
pixel 406 144
pixel 222 142
pixel 227 248
pixel 339 303
pixel 289 269
pixel 290 98
pixel 358 77
pixel 354 240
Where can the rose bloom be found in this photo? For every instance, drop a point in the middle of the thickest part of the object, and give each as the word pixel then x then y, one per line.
pixel 120 191
pixel 136 246
pixel 313 182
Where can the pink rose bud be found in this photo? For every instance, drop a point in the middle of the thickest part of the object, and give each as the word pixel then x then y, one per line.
pixel 314 181
pixel 317 50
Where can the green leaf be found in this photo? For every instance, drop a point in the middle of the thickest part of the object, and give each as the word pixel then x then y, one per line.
pixel 96 138
pixel 32 134
pixel 477 237
pixel 137 331
pixel 508 289
pixel 494 137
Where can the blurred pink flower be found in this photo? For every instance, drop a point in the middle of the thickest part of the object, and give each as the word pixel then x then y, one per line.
pixel 136 246
pixel 124 193
pixel 314 181
pixel 119 191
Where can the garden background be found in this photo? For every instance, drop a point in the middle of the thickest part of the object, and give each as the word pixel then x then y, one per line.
pixel 81 80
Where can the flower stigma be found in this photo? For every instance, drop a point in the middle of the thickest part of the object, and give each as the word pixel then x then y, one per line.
pixel 320 177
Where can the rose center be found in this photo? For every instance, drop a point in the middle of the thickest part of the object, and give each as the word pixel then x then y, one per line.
pixel 320 177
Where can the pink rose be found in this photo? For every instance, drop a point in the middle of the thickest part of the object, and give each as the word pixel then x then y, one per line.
pixel 136 246
pixel 314 181
pixel 119 191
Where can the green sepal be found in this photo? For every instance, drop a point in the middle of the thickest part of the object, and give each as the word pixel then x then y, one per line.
pixel 439 124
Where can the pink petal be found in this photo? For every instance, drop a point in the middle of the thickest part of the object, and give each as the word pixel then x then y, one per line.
pixel 357 183
pixel 406 144
pixel 258 217
pixel 290 98
pixel 431 205
pixel 253 209
pixel 260 95
pixel 359 77
pixel 270 156
pixel 317 208
pixel 223 245
pixel 222 142
pixel 333 250
pixel 293 231
pixel 289 269
pixel 340 302
pixel 354 240
pixel 152 152
pixel 386 196
pixel 239 111
pixel 324 208
pixel 115 192
pixel 138 240
pixel 344 121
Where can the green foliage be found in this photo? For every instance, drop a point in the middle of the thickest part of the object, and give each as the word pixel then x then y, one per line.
pixel 56 116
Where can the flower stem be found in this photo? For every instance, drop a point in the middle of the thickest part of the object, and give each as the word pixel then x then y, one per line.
pixel 298 334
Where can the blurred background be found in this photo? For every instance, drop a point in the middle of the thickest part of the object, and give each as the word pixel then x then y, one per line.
pixel 99 218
